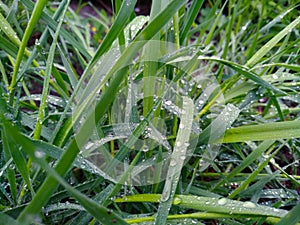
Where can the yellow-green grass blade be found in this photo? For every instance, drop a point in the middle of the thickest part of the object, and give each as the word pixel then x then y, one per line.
pixel 208 204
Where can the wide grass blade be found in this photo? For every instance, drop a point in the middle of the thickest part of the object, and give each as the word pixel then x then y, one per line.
pixel 267 131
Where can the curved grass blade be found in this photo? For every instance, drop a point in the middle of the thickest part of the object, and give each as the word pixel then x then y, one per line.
pixel 244 71
pixel 38 9
pixel 261 132
pixel 176 162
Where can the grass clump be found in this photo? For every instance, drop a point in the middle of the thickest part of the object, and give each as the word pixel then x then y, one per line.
pixel 188 115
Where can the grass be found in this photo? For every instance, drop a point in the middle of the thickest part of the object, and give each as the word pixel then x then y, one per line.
pixel 189 115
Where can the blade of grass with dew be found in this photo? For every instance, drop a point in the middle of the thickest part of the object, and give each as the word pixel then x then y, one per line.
pixel 246 72
pixel 38 9
pixel 101 213
pixel 49 185
pixel 270 44
pixel 261 132
pixel 215 131
pixel 197 215
pixel 221 205
pixel 49 63
pixel 80 162
pixel 177 161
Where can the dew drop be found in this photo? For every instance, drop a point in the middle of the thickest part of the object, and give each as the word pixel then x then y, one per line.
pixel 173 162
pixel 222 201
pixel 249 205
pixel 39 154
pixel 177 201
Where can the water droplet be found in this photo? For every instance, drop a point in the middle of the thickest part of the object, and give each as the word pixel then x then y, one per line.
pixel 182 157
pixel 249 205
pixel 173 162
pixel 178 143
pixel 168 102
pixel 274 76
pixel 39 154
pixel 222 201
pixel 177 201
pixel 181 126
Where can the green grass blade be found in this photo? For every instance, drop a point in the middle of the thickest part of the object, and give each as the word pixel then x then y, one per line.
pixel 176 162
pixel 102 214
pixel 221 205
pixel 268 131
pixel 49 63
pixel 270 44
pixel 38 9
